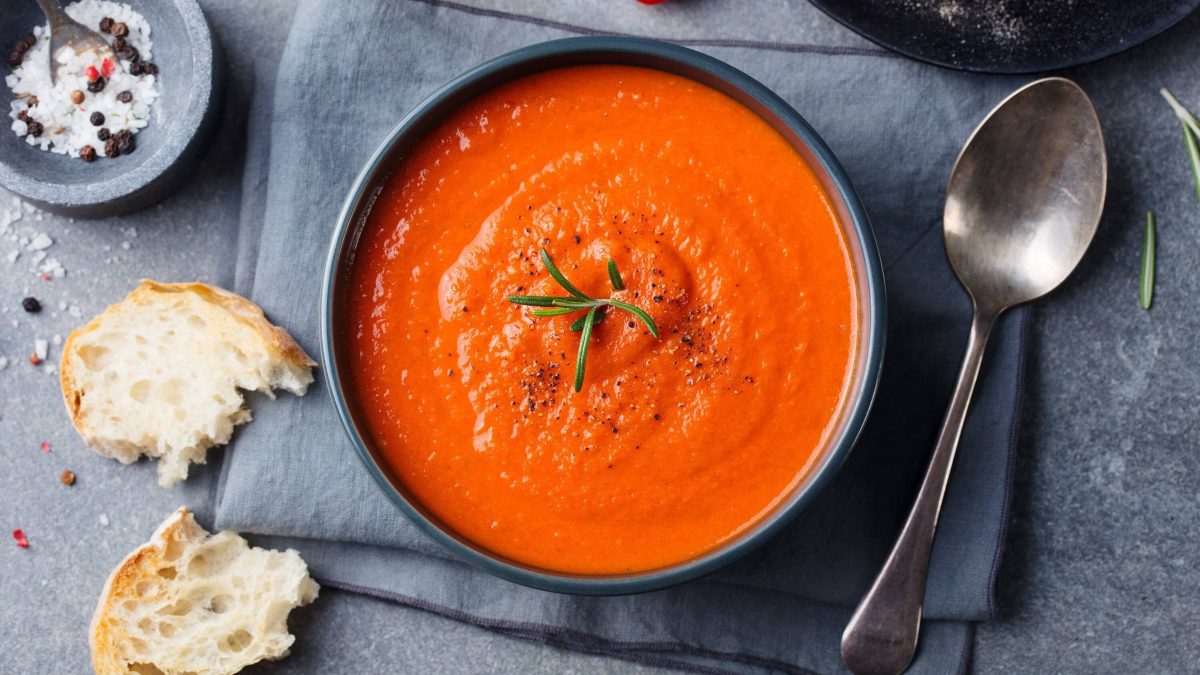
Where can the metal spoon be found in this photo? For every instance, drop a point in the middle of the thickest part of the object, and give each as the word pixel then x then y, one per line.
pixel 1023 202
pixel 67 32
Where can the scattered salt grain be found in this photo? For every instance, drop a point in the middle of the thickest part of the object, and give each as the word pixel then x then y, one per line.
pixel 126 245
pixel 3 362
pixel 103 520
pixel 74 311
pixel 52 268
pixel 40 242
pixel 13 255
pixel 8 217
pixel 41 349
pixel 49 369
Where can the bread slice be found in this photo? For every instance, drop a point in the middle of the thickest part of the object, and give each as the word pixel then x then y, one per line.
pixel 161 372
pixel 190 602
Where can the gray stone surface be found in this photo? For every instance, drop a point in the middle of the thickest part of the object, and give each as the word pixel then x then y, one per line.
pixel 1100 573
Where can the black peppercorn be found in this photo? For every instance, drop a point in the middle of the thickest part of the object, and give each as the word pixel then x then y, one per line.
pixel 119 29
pixel 125 96
pixel 87 153
pixel 34 129
pixel 23 116
pixel 97 86
pixel 31 305
pixel 125 144
pixel 124 133
pixel 104 134
pixel 130 54
pixel 97 118
pixel 135 68
pixel 21 48
pixel 30 41
pixel 119 44
pixel 149 68
pixel 31 101
pixel 110 148
pixel 106 24
pixel 15 58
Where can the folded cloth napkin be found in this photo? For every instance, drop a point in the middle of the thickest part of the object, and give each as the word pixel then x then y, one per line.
pixel 896 125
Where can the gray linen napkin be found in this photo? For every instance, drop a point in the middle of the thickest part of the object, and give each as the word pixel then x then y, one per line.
pixel 896 125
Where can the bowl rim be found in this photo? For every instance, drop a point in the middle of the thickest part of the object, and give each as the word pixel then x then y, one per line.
pixel 108 198
pixel 652 54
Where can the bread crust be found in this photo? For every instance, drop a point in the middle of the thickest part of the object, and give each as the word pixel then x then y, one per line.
pixel 282 342
pixel 136 567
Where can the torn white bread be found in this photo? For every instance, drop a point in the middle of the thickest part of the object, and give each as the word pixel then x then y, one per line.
pixel 191 602
pixel 162 373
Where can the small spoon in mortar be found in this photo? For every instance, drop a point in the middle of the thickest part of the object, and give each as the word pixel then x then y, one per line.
pixel 1023 203
pixel 67 32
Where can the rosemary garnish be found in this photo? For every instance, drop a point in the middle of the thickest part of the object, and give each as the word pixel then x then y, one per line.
pixel 614 276
pixel 1146 286
pixel 577 301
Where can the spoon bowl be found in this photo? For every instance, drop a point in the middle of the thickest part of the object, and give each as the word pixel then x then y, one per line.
pixel 66 32
pixel 1026 193
pixel 1022 206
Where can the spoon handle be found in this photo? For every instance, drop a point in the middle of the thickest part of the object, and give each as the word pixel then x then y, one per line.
pixel 882 635
pixel 54 13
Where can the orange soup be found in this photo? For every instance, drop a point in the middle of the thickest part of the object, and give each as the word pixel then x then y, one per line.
pixel 674 445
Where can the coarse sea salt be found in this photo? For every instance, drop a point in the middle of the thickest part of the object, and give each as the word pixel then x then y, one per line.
pixel 52 269
pixel 66 126
pixel 40 242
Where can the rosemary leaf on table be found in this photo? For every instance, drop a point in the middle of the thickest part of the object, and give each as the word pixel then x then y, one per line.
pixel 1191 134
pixel 1146 285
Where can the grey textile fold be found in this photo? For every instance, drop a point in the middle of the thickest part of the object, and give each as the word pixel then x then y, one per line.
pixel 896 126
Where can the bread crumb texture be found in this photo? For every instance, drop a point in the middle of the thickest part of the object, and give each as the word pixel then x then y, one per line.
pixel 162 373
pixel 190 602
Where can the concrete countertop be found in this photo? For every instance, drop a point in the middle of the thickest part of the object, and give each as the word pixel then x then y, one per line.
pixel 1100 571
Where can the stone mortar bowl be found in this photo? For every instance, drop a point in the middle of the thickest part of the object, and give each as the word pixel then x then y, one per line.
pixel 182 118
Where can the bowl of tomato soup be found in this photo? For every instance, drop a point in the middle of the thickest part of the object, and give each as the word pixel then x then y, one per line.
pixel 602 315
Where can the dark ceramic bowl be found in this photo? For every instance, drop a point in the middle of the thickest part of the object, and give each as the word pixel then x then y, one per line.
pixel 168 148
pixel 649 54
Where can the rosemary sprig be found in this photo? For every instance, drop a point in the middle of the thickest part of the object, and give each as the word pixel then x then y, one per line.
pixel 1191 134
pixel 597 309
pixel 584 338
pixel 1149 243
pixel 558 276
pixel 614 276
pixel 577 324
